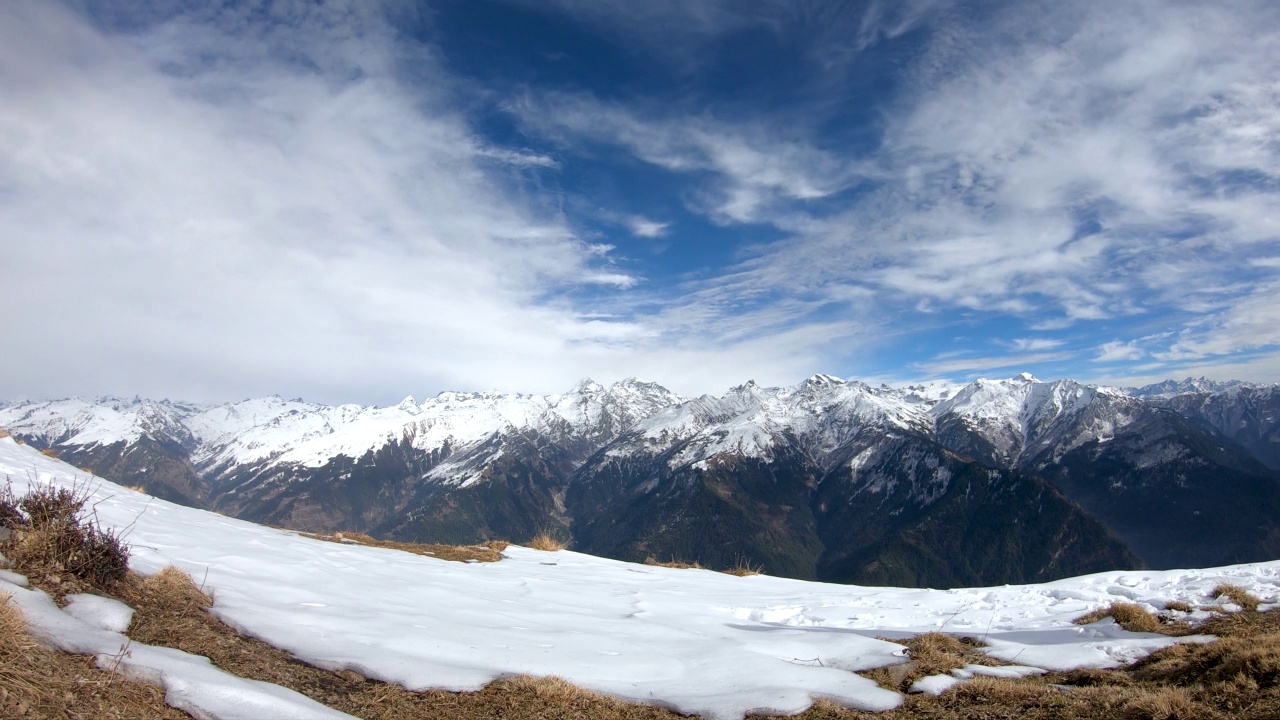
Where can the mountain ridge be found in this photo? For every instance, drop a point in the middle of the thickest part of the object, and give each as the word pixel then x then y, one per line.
pixel 767 474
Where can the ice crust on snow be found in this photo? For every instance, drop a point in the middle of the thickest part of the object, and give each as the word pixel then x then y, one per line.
pixel 191 683
pixel 100 612
pixel 934 684
pixel 696 641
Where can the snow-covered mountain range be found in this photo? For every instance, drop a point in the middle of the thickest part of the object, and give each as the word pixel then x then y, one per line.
pixel 771 474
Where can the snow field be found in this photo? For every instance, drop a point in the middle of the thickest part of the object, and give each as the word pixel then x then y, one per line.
pixel 695 641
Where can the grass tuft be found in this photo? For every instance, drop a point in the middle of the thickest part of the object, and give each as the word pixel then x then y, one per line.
pixel 930 654
pixel 1135 618
pixel 49 452
pixel 1237 595
pixel 744 568
pixel 547 542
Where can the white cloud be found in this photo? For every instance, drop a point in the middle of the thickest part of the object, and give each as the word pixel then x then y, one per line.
pixel 1119 350
pixel 645 228
pixel 184 214
pixel 948 366
pixel 1035 344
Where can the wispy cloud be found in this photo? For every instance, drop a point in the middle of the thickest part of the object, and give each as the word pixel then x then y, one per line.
pixel 949 366
pixel 1034 344
pixel 1098 163
pixel 753 172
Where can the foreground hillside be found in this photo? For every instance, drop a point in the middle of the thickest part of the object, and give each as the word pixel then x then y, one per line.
pixel 990 482
pixel 693 641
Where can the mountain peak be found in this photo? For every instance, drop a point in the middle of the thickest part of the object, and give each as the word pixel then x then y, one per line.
pixel 822 380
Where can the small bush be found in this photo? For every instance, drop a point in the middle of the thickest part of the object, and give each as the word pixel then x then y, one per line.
pixel 10 518
pixel 49 535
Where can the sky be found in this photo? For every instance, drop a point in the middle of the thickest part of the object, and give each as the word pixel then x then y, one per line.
pixel 352 201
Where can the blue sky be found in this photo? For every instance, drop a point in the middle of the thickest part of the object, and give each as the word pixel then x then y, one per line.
pixel 352 201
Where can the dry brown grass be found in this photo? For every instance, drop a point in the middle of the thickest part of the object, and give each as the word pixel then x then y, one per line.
pixel 39 683
pixel 1134 618
pixel 1179 606
pixel 1237 595
pixel 4 433
pixel 930 654
pixel 744 568
pixel 547 542
pixel 49 452
pixel 484 552
pixel 673 563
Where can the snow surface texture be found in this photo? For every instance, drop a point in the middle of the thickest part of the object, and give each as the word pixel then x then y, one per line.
pixel 191 683
pixel 692 640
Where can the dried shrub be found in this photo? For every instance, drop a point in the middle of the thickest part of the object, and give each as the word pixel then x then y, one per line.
pixel 52 534
pixel 1237 595
pixel 10 517
pixel 1179 606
